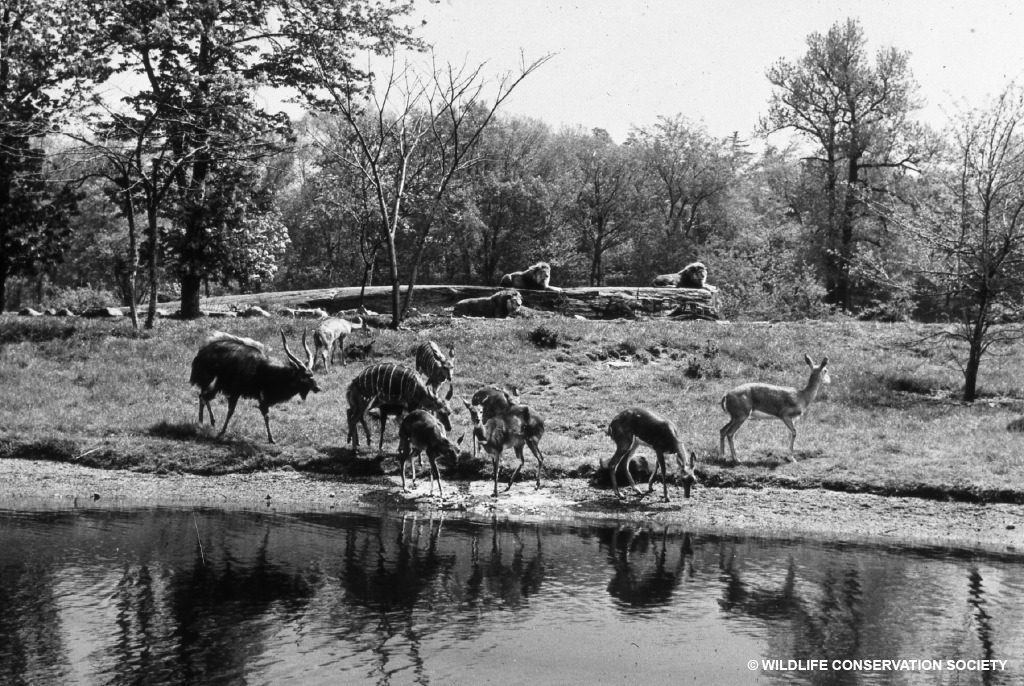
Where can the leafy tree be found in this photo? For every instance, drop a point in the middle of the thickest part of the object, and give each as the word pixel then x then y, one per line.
pixel 855 112
pixel 509 205
pixel 689 173
pixel 606 184
pixel 195 121
pixel 42 64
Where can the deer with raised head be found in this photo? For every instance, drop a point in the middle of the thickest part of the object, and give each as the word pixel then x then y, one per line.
pixel 391 386
pixel 329 338
pixel 513 428
pixel 765 401
pixel 436 366
pixel 239 367
pixel 421 431
pixel 635 426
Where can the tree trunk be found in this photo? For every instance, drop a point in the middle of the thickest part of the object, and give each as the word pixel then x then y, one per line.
pixel 191 288
pixel 396 287
pixel 133 255
pixel 971 371
pixel 4 271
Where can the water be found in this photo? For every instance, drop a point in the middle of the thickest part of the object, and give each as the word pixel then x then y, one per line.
pixel 164 596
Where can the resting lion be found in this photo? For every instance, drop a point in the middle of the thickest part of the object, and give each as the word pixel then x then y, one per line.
pixel 498 306
pixel 536 278
pixel 692 276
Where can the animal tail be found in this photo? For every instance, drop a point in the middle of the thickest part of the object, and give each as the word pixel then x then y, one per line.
pixel 721 403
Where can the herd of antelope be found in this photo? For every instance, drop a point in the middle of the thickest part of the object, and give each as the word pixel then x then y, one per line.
pixel 240 367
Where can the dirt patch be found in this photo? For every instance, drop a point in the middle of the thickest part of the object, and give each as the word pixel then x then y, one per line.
pixel 770 511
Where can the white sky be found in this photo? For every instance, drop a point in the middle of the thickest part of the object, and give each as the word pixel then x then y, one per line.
pixel 625 62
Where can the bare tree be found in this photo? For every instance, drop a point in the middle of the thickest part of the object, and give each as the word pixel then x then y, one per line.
pixel 410 138
pixel 969 223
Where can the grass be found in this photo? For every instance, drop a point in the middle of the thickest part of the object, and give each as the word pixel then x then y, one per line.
pixel 95 393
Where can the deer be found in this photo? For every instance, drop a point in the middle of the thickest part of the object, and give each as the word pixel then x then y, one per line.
pixel 329 338
pixel 635 426
pixel 493 401
pixel 515 427
pixel 764 401
pixel 239 367
pixel 436 366
pixel 392 388
pixel 421 431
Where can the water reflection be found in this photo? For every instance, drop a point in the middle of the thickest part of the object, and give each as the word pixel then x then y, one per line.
pixel 208 597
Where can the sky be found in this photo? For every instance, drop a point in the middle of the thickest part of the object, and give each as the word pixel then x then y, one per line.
pixel 624 63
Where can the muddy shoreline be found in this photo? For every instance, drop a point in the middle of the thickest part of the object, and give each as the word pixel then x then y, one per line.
pixel 769 512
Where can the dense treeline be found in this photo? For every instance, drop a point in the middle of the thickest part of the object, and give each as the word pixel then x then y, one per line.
pixel 187 183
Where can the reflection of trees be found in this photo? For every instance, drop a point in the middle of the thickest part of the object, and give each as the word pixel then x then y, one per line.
pixel 824 620
pixel 31 649
pixel 642 578
pixel 187 627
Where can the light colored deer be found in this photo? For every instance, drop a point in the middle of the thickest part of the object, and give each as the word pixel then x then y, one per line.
pixel 513 428
pixel 764 401
pixel 635 426
pixel 421 431
pixel 329 338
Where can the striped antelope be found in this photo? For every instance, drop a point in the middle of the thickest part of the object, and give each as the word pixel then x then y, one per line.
pixel 635 426
pixel 515 427
pixel 763 401
pixel 329 338
pixel 436 366
pixel 240 368
pixel 421 431
pixel 389 385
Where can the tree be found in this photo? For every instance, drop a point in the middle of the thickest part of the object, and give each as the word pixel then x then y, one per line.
pixel 196 112
pixel 689 173
pixel 968 221
pixel 856 114
pixel 606 182
pixel 410 138
pixel 42 64
pixel 509 204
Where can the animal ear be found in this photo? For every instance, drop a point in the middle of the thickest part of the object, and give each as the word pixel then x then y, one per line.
pixel 824 361
pixel 807 359
pixel 459 442
pixel 451 352
pixel 451 391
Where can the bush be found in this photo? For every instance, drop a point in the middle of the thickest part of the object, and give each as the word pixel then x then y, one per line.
pixel 543 337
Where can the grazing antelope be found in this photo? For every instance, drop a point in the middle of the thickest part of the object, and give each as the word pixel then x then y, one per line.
pixel 421 431
pixel 329 338
pixel 239 367
pixel 763 401
pixel 637 425
pixel 389 385
pixel 515 427
pixel 436 366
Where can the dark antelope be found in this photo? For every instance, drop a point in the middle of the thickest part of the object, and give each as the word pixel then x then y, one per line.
pixel 436 366
pixel 392 386
pixel 764 401
pixel 239 367
pixel 421 431
pixel 635 426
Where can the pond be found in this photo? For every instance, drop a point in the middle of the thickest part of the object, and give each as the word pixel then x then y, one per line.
pixel 171 596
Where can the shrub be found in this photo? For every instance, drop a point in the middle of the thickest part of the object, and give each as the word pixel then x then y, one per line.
pixel 543 337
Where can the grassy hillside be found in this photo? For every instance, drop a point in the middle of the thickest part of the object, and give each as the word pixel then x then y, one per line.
pixel 95 393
